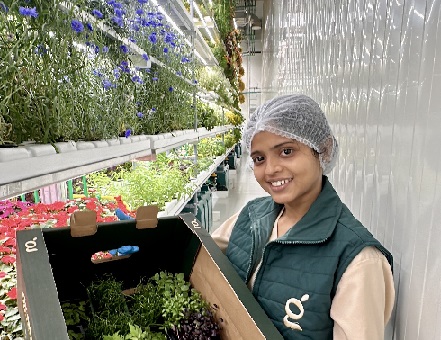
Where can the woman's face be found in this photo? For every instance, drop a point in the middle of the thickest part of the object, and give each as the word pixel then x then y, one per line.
pixel 286 169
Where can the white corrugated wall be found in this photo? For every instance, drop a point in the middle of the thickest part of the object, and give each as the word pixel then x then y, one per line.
pixel 375 68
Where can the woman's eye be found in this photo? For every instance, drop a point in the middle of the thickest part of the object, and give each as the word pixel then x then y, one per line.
pixel 287 151
pixel 258 159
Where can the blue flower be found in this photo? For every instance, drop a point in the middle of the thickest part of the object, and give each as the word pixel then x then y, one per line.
pixel 155 78
pixel 145 56
pixel 185 60
pixel 178 73
pixel 169 37
pixel 153 109
pixel 143 1
pixel 3 7
pixel 105 49
pixel 117 20
pixel 124 49
pixel 137 79
pixel 128 133
pixel 153 38
pixel 77 26
pixel 28 12
pixel 195 81
pixel 97 13
pixel 170 89
pixel 107 84
pixel 118 12
pixel 40 50
pixel 97 49
pixel 140 114
pixel 165 50
pixel 116 73
pixel 97 73
pixel 139 11
pixel 159 16
pixel 133 40
pixel 124 66
pixel 89 26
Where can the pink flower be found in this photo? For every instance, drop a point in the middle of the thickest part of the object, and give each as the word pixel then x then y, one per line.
pixel 5 250
pixel 8 259
pixel 12 293
pixel 2 275
pixel 2 306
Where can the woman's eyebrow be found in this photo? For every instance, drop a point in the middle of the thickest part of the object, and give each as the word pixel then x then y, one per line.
pixel 283 144
pixel 255 152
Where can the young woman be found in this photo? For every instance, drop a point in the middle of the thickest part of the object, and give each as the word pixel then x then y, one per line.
pixel 316 270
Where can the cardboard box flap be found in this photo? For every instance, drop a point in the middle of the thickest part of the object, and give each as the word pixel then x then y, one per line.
pixel 83 223
pixel 147 217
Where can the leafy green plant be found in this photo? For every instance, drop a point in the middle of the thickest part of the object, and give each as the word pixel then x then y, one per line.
pixel 145 305
pixel 177 297
pixel 75 314
pixel 165 304
pixel 136 333
pixel 109 309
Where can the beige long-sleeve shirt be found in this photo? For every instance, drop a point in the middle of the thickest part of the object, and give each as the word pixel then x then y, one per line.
pixel 365 294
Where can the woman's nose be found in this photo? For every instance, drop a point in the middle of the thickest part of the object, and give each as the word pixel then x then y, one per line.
pixel 272 166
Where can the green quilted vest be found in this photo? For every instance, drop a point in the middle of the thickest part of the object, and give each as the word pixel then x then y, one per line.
pixel 300 271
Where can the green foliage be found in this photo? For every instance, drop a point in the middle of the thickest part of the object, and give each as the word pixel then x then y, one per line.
pixel 147 183
pixel 156 307
pixel 109 310
pixel 207 116
pixel 177 297
pixel 211 147
pixel 145 305
pixel 136 333
pixel 59 84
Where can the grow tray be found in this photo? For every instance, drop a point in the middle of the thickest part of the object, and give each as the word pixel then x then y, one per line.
pixel 54 266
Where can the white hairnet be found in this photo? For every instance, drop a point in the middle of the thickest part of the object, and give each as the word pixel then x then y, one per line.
pixel 298 117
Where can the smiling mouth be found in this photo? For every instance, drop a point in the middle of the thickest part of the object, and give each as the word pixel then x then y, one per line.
pixel 280 183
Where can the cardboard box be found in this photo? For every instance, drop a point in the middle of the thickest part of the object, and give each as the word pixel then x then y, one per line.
pixel 54 265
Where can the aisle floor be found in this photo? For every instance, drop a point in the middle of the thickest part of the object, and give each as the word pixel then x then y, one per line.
pixel 242 188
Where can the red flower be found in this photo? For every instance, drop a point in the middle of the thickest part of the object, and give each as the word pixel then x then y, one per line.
pixel 72 209
pixel 12 293
pixel 10 242
pixel 5 250
pixel 1 317
pixel 2 306
pixel 8 259
pixel 57 206
pixel 2 275
pixel 91 206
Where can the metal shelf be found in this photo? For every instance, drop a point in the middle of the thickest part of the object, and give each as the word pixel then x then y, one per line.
pixel 177 12
pixel 32 166
pixel 175 207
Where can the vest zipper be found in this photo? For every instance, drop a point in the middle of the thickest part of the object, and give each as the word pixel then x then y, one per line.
pixel 281 242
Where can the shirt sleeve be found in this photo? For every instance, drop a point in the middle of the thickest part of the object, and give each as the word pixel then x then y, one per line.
pixel 364 299
pixel 222 234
